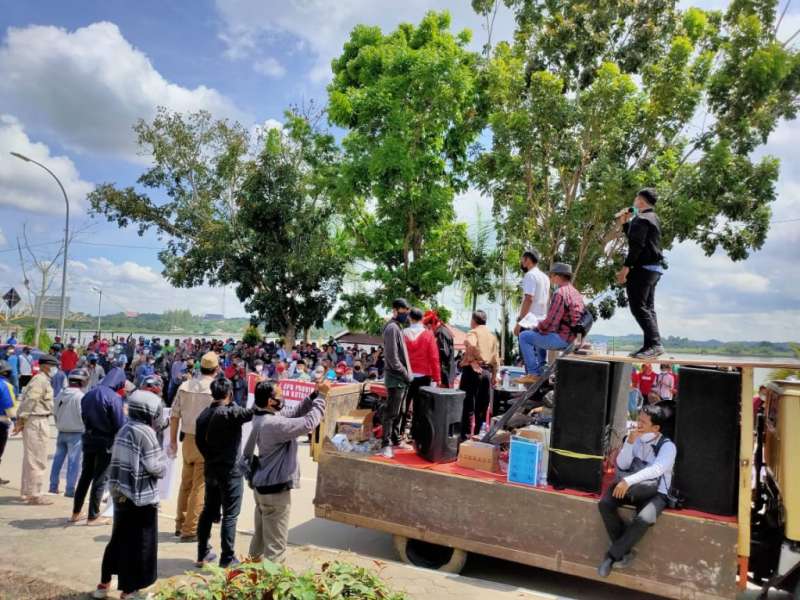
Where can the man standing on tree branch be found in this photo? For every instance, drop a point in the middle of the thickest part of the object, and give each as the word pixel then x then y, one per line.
pixel 643 267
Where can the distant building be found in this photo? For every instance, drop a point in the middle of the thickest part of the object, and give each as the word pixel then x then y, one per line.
pixel 131 314
pixel 213 317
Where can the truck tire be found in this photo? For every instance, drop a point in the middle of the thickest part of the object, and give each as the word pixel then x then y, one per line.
pixel 430 556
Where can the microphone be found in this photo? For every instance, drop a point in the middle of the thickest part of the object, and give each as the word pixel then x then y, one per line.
pixel 628 210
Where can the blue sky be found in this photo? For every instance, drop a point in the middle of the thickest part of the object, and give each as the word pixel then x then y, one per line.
pixel 74 76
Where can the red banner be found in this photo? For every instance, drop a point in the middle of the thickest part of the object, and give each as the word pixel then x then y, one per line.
pixel 295 391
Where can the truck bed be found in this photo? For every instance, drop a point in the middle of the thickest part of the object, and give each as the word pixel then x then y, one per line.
pixel 683 556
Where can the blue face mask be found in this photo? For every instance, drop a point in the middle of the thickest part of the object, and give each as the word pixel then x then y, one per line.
pixel 401 317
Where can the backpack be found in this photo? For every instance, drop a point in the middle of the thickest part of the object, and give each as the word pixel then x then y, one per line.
pixel 651 485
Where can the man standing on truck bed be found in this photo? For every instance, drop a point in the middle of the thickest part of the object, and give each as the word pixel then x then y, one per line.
pixel 397 374
pixel 646 460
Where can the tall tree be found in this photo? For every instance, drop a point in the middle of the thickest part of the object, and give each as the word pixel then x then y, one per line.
pixel 476 264
pixel 408 101
pixel 595 100
pixel 262 225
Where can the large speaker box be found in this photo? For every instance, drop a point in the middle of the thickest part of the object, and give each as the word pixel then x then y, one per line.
pixel 707 437
pixel 591 399
pixel 436 424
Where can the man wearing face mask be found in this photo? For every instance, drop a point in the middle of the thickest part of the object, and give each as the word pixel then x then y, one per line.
pixel 535 293
pixel 35 407
pixel 397 374
pixel 643 268
pixel 647 459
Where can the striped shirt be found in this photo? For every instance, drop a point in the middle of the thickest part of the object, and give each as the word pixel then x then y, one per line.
pixel 137 463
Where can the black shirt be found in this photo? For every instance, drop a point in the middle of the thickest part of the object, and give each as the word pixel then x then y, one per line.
pixel 218 435
pixel 644 240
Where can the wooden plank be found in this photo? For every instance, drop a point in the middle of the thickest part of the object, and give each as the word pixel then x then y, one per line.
pixel 695 362
pixel 745 471
pixel 682 557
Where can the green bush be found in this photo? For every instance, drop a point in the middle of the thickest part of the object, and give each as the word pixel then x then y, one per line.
pixel 45 341
pixel 269 581
pixel 252 335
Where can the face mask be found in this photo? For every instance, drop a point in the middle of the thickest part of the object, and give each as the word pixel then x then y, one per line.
pixel 259 368
pixel 648 437
pixel 401 317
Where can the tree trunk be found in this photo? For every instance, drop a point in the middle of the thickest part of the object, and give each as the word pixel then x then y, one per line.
pixel 289 333
pixel 37 330
pixel 503 310
pixel 474 301
pixel 306 334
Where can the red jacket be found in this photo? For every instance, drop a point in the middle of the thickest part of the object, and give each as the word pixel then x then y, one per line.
pixel 69 360
pixel 423 353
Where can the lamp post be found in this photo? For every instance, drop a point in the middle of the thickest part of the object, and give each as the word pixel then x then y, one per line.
pixel 99 306
pixel 66 239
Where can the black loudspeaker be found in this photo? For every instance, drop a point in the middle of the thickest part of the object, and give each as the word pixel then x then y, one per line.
pixel 436 424
pixel 591 399
pixel 707 437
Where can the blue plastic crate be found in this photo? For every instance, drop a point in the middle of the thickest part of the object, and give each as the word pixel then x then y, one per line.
pixel 523 461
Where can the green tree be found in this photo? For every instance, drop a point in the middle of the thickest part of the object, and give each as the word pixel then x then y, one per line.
pixel 262 225
pixel 595 100
pixel 408 101
pixel 476 264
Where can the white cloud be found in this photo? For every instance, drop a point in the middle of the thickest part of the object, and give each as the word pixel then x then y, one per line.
pixel 25 185
pixel 322 27
pixel 270 67
pixel 89 86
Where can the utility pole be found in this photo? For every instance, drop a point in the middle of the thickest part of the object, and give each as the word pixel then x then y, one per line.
pixel 99 306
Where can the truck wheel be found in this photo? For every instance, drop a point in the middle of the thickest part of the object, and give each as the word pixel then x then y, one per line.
pixel 430 556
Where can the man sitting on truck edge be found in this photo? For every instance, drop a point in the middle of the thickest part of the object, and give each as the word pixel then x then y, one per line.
pixel 649 458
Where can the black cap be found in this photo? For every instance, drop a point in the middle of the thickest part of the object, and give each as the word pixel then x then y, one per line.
pixel 649 194
pixel 48 359
pixel 401 303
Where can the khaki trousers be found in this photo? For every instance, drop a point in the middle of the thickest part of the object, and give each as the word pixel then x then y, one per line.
pixel 272 526
pixel 34 456
pixel 193 488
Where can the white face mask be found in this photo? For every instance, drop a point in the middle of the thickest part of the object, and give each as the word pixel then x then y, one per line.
pixel 259 368
pixel 648 437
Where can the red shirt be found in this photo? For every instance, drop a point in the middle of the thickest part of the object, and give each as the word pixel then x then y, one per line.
pixel 635 379
pixel 566 309
pixel 423 353
pixel 646 381
pixel 69 360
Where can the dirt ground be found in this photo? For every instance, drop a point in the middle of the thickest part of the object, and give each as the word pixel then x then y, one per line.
pixel 15 586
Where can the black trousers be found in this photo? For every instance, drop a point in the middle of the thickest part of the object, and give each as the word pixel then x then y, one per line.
pixel 406 411
pixel 641 289
pixel 624 538
pixel 476 402
pixel 94 471
pixel 223 492
pixel 132 552
pixel 4 427
pixel 390 414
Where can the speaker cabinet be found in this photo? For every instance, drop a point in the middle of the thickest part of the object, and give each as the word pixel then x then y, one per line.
pixel 591 400
pixel 707 438
pixel 436 424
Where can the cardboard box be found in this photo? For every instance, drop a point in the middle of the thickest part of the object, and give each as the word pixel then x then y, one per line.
pixel 537 433
pixel 523 461
pixel 479 456
pixel 357 425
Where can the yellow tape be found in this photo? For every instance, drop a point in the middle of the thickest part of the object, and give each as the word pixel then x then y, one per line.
pixel 570 454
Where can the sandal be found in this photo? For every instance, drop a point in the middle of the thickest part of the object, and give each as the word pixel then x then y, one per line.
pixel 77 517
pixel 98 522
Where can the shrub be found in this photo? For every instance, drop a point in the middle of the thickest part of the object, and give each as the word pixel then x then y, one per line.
pixel 251 336
pixel 269 581
pixel 45 341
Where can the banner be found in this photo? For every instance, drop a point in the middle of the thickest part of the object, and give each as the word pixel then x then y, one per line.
pixel 295 391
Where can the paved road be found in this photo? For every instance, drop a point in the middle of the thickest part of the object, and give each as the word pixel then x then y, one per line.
pixel 306 529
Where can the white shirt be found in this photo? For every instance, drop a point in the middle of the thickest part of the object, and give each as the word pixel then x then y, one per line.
pixel 659 466
pixel 25 365
pixel 537 284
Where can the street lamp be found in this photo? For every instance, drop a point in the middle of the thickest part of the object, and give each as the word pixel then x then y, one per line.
pixel 99 305
pixel 66 238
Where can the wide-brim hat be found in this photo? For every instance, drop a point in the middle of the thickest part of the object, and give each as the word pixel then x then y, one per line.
pixel 48 359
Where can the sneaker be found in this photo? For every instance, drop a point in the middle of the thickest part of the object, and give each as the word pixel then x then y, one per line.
pixel 604 570
pixel 231 563
pixel 4 481
pixel 650 353
pixel 101 591
pixel 177 533
pixel 210 557
pixel 403 446
pixel 387 452
pixel 637 352
pixel 526 379
pixel 626 560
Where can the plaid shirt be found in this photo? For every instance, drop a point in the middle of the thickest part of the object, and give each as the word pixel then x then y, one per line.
pixel 566 308
pixel 137 463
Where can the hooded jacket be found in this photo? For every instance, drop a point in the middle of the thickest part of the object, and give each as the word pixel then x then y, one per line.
pixel 101 409
pixel 423 353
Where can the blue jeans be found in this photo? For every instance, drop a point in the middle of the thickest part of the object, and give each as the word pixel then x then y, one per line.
pixel 68 446
pixel 534 347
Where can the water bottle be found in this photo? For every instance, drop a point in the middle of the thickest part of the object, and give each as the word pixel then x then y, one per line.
pixel 506 380
pixel 484 429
